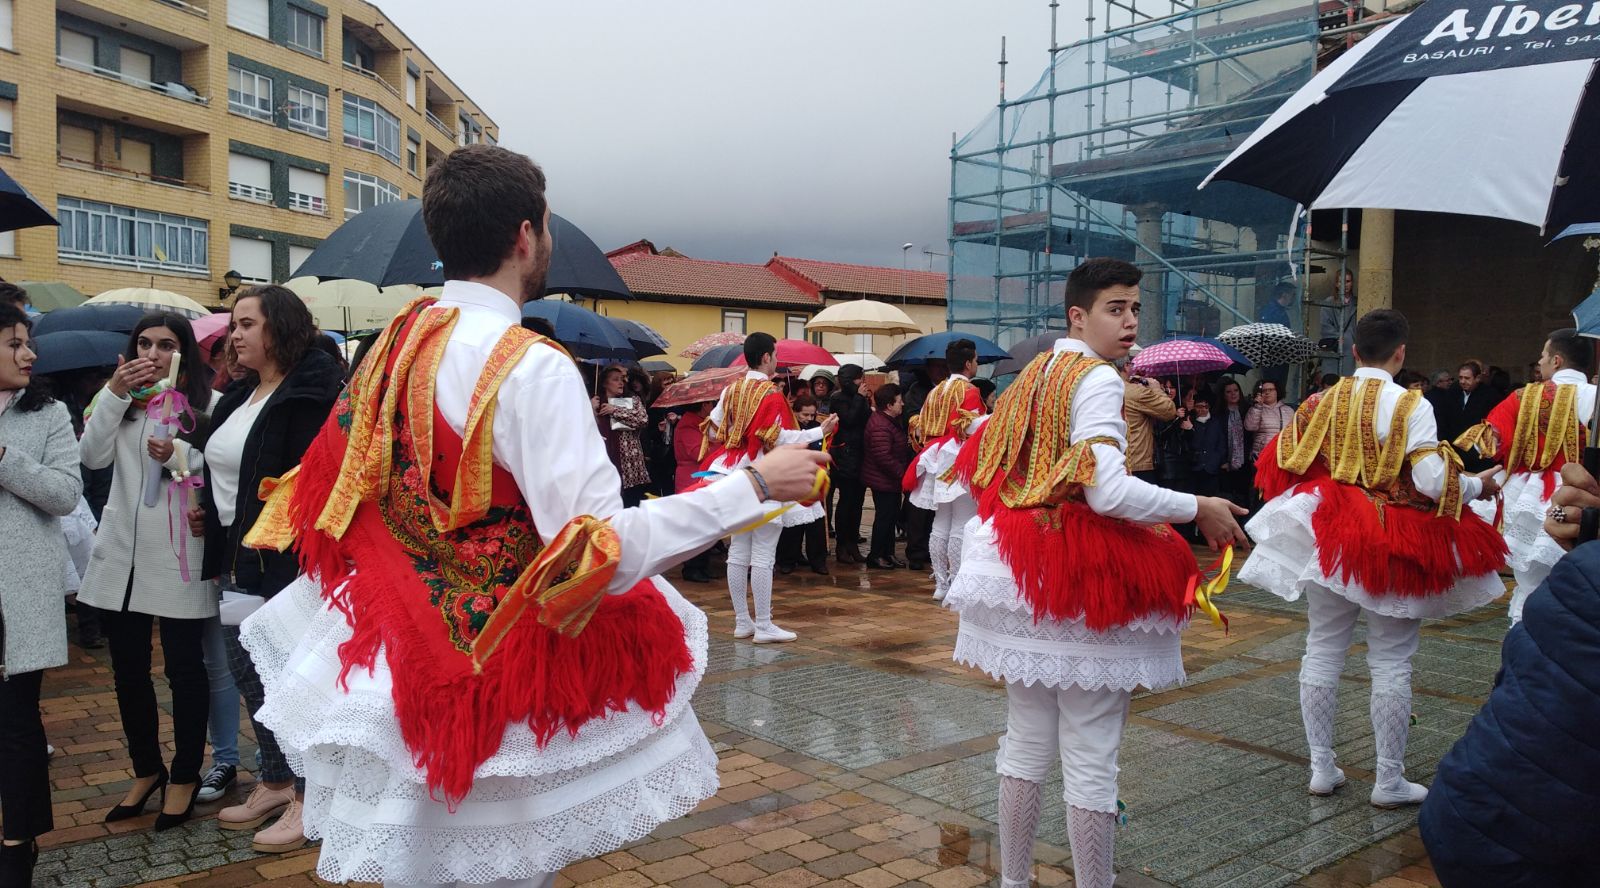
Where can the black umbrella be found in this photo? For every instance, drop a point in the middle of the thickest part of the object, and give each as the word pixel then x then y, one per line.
pixel 918 352
pixel 18 208
pixel 112 317
pixel 389 245
pixel 77 349
pixel 1027 350
pixel 583 333
pixel 644 338
pixel 719 356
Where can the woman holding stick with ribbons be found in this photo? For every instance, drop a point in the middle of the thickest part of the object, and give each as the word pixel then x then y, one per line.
pixel 146 564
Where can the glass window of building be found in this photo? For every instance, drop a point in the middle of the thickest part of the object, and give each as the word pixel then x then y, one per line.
pixel 8 112
pixel 308 191
pixel 250 178
pixel 130 237
pixel 411 90
pixel 308 111
pixel 368 126
pixel 794 327
pixel 363 192
pixel 732 321
pixel 7 39
pixel 305 30
pixel 413 148
pixel 249 94
pixel 252 258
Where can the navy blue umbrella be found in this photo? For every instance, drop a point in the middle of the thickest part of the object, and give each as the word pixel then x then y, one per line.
pixel 77 349
pixel 18 208
pixel 1587 319
pixel 585 334
pixel 579 267
pixel 644 338
pixel 719 356
pixel 918 352
pixel 110 317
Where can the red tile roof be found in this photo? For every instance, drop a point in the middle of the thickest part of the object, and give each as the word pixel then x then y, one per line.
pixel 869 280
pixel 648 273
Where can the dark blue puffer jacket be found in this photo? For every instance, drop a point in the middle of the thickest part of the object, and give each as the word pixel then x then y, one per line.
pixel 1517 799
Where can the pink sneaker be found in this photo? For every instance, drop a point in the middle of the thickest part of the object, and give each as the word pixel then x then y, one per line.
pixel 261 804
pixel 285 835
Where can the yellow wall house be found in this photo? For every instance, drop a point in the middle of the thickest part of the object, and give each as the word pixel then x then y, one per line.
pixel 179 139
pixel 685 298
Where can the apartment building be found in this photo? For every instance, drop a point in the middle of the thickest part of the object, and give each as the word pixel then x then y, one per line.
pixel 178 140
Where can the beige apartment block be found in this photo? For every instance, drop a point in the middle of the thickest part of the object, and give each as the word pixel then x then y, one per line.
pixel 177 140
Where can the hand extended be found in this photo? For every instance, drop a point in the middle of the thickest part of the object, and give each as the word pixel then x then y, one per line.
pixel 197 523
pixel 1218 522
pixel 1491 483
pixel 830 423
pixel 1578 491
pixel 160 450
pixel 790 472
pixel 131 375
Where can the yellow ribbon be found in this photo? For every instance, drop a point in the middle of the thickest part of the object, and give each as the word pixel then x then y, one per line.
pixel 1199 595
pixel 819 487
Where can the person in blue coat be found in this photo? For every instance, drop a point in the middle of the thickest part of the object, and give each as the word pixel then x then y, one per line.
pixel 1516 802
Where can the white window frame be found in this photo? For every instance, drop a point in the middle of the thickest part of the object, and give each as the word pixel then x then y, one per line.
pixel 364 183
pixel 8 244
pixel 308 111
pixel 863 343
pixel 252 104
pixel 789 322
pixel 8 38
pixel 244 268
pixel 131 237
pixel 314 25
pixel 734 320
pixel 413 156
pixel 413 87
pixel 8 118
pixel 385 127
pixel 304 201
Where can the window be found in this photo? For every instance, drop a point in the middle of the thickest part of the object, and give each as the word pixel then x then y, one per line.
pixel 7 41
pixel 308 191
pixel 367 125
pixel 363 192
pixel 305 31
pixel 131 237
pixel 489 137
pixel 133 156
pixel 794 327
pixel 308 112
pixel 411 90
pixel 249 94
pixel 77 143
pixel 297 257
pixel 8 109
pixel 413 148
pixel 249 16
pixel 137 67
pixel 8 239
pixel 732 321
pixel 251 258
pixel 76 49
pixel 250 178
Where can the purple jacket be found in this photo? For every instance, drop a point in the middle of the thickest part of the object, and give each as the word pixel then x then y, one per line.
pixel 888 452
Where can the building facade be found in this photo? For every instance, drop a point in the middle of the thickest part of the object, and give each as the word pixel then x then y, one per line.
pixel 177 140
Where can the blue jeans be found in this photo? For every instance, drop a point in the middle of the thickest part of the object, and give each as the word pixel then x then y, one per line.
pixel 224 696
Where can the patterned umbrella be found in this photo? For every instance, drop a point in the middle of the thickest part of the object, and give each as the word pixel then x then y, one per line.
pixel 1177 357
pixel 151 299
pixel 706 343
pixel 1269 345
pixel 719 356
pixel 706 385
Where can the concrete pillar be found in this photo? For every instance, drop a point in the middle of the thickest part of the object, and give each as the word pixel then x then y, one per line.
pixel 1375 274
pixel 1153 310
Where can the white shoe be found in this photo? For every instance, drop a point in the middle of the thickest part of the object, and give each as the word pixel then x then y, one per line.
pixel 1398 793
pixel 743 630
pixel 1323 783
pixel 770 633
pixel 939 594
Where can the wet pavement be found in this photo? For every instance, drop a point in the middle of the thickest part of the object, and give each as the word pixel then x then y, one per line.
pixel 860 756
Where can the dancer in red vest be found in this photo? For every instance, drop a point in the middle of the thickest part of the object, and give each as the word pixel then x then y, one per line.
pixel 948 416
pixel 482 678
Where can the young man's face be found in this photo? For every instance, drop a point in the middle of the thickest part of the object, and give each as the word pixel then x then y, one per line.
pixel 1466 380
pixel 1547 363
pixel 1112 326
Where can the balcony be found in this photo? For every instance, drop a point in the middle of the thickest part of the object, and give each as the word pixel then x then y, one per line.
pixel 190 8
pixel 176 90
pixel 111 169
pixel 440 125
pixel 308 203
pixel 370 74
pixel 253 193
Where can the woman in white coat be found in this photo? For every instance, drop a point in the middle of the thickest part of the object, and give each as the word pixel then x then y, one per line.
pixel 136 574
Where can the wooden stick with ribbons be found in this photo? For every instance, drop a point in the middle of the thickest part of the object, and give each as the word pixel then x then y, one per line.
pixel 1201 595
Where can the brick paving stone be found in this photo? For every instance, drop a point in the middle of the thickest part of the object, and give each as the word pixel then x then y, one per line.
pixel 876 877
pixel 839 865
pixel 741 873
pixel 672 869
pixel 790 878
pixel 773 840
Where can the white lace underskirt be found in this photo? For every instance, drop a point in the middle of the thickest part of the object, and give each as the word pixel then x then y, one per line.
pixel 1525 507
pixel 999 635
pixel 530 811
pixel 930 493
pixel 794 517
pixel 1284 561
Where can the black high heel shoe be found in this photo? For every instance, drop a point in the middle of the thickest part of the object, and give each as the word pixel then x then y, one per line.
pixel 127 812
pixel 165 821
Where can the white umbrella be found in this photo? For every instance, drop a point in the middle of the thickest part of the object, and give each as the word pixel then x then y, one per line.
pixel 864 360
pixel 151 299
pixel 346 304
pixel 862 316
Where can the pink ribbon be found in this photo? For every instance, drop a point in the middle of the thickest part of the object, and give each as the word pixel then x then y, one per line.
pixel 180 540
pixel 168 406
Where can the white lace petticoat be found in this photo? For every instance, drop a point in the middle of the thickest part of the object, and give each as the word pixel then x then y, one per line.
pixel 1284 561
pixel 530 811
pixel 999 635
pixel 1524 512
pixel 930 492
pixel 792 518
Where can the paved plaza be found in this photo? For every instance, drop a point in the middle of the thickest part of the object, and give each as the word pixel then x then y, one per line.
pixel 860 756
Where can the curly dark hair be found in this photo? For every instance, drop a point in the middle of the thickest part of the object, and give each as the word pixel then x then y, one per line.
pixel 290 328
pixel 37 394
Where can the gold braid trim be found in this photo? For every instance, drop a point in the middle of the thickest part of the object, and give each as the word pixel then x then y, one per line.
pixel 1027 445
pixel 939 410
pixel 707 429
pixel 1450 496
pixel 1564 434
pixel 739 405
pixel 1343 430
pixel 1482 438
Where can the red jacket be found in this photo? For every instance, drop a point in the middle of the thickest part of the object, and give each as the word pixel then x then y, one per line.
pixel 686 450
pixel 888 453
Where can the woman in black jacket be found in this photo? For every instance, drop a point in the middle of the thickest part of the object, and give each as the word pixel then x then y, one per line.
pixel 260 429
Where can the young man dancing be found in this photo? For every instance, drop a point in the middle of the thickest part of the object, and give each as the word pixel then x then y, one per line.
pixel 1072 584
pixel 1533 434
pixel 1364 517
pixel 750 418
pixel 941 428
pixel 482 678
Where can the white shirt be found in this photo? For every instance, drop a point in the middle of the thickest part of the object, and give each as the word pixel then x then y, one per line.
pixel 1097 413
pixel 1586 391
pixel 786 436
pixel 1422 433
pixel 225 455
pixel 545 436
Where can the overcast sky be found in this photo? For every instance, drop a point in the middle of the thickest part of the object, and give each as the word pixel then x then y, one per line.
pixel 731 130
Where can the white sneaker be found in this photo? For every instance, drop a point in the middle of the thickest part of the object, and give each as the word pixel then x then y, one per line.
pixel 770 633
pixel 743 630
pixel 939 593
pixel 1398 793
pixel 1323 783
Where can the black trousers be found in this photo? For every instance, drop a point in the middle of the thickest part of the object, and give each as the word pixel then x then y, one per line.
pixel 847 513
pixel 919 530
pixel 274 766
pixel 812 537
pixel 129 637
pixel 25 772
pixel 886 503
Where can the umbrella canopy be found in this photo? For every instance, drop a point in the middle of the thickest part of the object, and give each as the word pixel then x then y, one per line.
pixel 349 304
pixel 151 299
pixel 77 349
pixel 706 385
pixel 644 338
pixel 18 208
pixel 98 316
pixel 812 371
pixel 719 356
pixel 707 343
pixel 1268 345
pixel 583 333
pixel 1178 357
pixel 918 352
pixel 1026 350
pixel 658 367
pixel 211 327
pixel 1424 115
pixel 796 353
pixel 867 361
pixel 47 296
pixel 862 316
pixel 579 267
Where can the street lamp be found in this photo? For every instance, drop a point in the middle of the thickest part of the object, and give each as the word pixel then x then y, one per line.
pixel 232 279
pixel 905 250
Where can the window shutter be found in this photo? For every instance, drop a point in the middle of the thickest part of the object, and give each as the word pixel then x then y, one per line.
pixel 251 258
pixel 77 143
pixel 249 15
pixel 7 41
pixel 76 47
pixel 308 183
pixel 135 156
pixel 252 171
pixel 136 65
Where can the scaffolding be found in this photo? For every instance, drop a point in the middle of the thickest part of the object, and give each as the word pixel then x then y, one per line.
pixel 1103 156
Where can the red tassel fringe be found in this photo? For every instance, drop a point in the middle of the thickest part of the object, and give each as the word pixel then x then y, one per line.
pixel 909 481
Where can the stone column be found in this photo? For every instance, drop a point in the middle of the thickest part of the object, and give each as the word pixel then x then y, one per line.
pixel 1153 311
pixel 1375 274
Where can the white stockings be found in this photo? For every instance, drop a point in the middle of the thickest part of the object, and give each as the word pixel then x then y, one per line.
pixel 1019 825
pixel 1092 835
